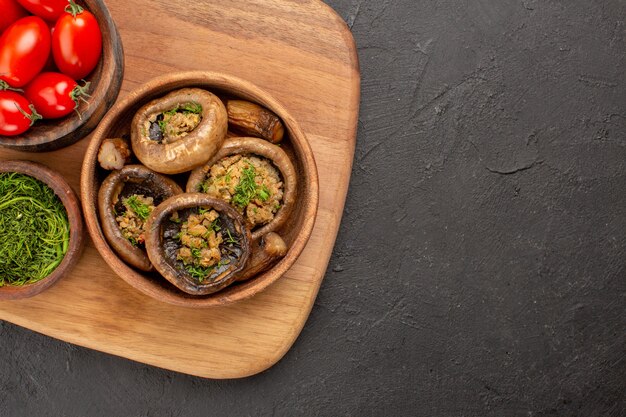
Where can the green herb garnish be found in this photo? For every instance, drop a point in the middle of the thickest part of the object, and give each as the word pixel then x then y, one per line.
pixel 162 125
pixel 142 210
pixel 192 107
pixel 215 225
pixel 198 272
pixel 230 238
pixel 248 189
pixel 203 187
pixel 34 230
pixel 263 193
pixel 186 108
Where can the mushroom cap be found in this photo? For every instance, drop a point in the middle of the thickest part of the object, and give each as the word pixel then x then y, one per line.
pixel 260 147
pixel 190 151
pixel 158 243
pixel 129 180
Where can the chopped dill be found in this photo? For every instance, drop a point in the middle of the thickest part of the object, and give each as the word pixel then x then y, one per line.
pixel 248 189
pixel 215 225
pixel 162 125
pixel 191 107
pixel 186 108
pixel 203 187
pixel 263 193
pixel 230 238
pixel 142 210
pixel 34 230
pixel 198 272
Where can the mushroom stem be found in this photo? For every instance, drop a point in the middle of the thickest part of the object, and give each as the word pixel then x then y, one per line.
pixel 254 120
pixel 265 251
pixel 114 153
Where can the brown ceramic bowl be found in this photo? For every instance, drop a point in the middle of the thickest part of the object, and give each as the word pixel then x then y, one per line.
pixel 57 183
pixel 106 80
pixel 295 232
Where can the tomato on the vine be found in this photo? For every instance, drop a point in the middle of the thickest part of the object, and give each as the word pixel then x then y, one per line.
pixel 24 50
pixel 11 12
pixel 17 114
pixel 46 9
pixel 55 95
pixel 76 42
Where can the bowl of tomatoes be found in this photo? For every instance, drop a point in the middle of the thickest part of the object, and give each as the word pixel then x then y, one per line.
pixel 61 69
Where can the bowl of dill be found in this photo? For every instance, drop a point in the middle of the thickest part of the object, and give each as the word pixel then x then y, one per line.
pixel 41 229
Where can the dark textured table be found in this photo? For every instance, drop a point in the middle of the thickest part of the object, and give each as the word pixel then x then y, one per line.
pixel 480 266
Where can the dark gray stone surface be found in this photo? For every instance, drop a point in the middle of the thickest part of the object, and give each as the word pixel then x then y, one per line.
pixel 479 270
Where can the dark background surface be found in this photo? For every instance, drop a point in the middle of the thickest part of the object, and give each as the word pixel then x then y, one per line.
pixel 480 266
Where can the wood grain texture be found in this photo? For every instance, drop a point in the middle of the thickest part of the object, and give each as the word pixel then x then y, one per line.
pixel 105 79
pixel 304 55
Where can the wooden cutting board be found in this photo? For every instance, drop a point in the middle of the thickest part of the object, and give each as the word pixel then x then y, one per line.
pixel 303 54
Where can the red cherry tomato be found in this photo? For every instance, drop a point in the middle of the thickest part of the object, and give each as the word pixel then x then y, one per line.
pixel 54 95
pixel 50 66
pixel 24 50
pixel 76 42
pixel 46 9
pixel 17 114
pixel 11 12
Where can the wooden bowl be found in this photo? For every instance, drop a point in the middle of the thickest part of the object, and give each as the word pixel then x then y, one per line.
pixel 106 80
pixel 295 232
pixel 62 189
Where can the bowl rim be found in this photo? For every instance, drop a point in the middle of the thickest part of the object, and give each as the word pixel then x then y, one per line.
pixel 226 83
pixel 68 198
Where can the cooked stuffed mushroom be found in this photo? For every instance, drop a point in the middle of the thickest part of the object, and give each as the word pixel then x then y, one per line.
pixel 179 131
pixel 197 243
pixel 251 184
pixel 131 215
pixel 125 200
pixel 255 177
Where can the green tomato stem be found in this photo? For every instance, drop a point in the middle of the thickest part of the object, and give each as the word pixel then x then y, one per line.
pixel 79 93
pixel 33 116
pixel 4 86
pixel 73 8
